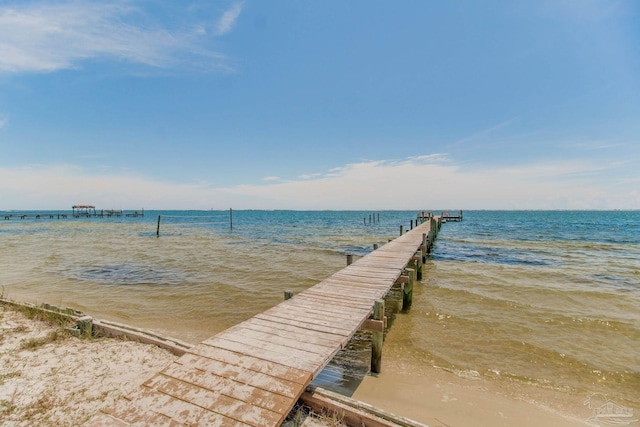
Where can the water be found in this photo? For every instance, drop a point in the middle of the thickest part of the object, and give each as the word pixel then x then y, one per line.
pixel 539 299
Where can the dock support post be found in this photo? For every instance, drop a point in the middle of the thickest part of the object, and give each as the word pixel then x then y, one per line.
pixel 401 230
pixel 158 229
pixel 407 294
pixel 375 246
pixel 288 295
pixel 377 338
pixel 418 263
pixel 412 224
pixel 231 218
pixel 349 259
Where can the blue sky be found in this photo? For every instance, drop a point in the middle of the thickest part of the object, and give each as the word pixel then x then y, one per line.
pixel 320 105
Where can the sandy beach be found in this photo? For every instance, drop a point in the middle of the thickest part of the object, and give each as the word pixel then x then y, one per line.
pixel 50 378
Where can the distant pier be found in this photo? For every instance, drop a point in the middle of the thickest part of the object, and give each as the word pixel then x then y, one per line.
pixel 77 211
pixel 448 217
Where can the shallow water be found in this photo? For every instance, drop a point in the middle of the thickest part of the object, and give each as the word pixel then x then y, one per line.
pixel 534 298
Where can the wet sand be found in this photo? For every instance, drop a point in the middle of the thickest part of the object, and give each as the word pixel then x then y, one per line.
pixel 440 398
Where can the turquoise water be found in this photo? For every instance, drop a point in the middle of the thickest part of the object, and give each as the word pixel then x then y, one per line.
pixel 540 298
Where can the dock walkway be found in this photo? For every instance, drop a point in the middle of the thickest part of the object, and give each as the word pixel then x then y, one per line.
pixel 253 373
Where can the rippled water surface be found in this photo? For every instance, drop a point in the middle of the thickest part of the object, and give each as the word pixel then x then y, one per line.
pixel 544 298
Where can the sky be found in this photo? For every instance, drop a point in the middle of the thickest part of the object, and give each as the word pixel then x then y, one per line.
pixel 129 104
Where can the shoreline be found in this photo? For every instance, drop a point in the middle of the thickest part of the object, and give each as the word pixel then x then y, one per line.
pixel 67 380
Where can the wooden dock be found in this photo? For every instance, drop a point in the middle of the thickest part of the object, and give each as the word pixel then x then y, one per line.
pixel 253 373
pixel 449 217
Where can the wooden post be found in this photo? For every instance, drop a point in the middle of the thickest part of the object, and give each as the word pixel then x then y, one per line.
pixel 425 247
pixel 375 246
pixel 364 220
pixel 231 218
pixel 288 295
pixel 377 338
pixel 158 229
pixel 401 230
pixel 418 263
pixel 407 295
pixel 369 219
pixel 378 217
pixel 349 259
pixel 412 224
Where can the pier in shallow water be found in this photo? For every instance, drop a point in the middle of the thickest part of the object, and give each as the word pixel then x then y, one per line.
pixel 253 373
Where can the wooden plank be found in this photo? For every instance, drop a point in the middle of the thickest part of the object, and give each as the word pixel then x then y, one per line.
pixel 323 318
pixel 320 318
pixel 297 359
pixel 206 368
pixel 293 332
pixel 251 363
pixel 370 273
pixel 227 386
pixel 268 337
pixel 130 412
pixel 217 403
pixel 328 308
pixel 354 285
pixel 337 295
pixel 303 323
pixel 371 294
pixel 176 409
pixel 322 310
pixel 363 278
pixel 348 303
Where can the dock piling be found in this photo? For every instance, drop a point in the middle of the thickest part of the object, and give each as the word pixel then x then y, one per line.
pixel 407 294
pixel 377 338
pixel 349 259
pixel 288 295
pixel 158 229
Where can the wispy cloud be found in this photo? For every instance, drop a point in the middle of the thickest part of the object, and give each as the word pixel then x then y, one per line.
pixel 403 184
pixel 228 19
pixel 482 133
pixel 45 37
pixel 270 178
pixel 3 122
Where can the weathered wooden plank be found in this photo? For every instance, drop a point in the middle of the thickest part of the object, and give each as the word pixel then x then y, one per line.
pixel 337 295
pixel 215 402
pixel 178 410
pixel 297 359
pixel 327 308
pixel 231 387
pixel 298 333
pixel 343 302
pixel 322 310
pixel 361 286
pixel 325 319
pixel 299 313
pixel 275 339
pixel 371 294
pixel 199 355
pixel 303 323
pixel 213 372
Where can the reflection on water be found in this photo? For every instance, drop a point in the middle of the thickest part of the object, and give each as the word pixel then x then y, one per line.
pixel 543 298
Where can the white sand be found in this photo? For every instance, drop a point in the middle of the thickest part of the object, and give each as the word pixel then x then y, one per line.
pixel 65 382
